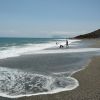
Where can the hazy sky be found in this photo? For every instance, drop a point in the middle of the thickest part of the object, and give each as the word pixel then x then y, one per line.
pixel 46 18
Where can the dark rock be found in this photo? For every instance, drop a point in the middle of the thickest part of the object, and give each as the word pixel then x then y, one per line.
pixel 94 34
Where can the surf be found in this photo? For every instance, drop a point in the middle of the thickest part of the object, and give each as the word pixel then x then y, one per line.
pixel 15 83
pixel 15 51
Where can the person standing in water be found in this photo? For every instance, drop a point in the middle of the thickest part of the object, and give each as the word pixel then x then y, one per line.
pixel 66 43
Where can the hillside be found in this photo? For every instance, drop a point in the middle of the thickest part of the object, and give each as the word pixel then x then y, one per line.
pixel 94 34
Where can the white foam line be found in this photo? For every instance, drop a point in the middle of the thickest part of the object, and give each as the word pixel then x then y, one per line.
pixel 79 50
pixel 56 90
pixel 50 92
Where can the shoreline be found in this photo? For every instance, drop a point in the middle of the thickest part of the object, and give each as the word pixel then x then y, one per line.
pixel 89 84
pixel 88 88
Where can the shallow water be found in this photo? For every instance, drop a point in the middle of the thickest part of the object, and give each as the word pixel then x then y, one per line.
pixel 43 70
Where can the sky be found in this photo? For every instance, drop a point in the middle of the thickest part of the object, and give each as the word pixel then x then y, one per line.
pixel 48 18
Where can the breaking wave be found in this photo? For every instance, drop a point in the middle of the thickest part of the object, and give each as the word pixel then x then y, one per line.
pixel 14 51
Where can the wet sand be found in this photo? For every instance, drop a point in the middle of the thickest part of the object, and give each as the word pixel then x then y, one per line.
pixel 89 85
pixel 89 88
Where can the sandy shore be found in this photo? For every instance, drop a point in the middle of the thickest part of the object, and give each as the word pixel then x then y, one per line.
pixel 89 88
pixel 89 85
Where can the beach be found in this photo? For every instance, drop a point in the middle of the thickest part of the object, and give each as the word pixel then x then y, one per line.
pixel 88 79
pixel 89 84
pixel 49 50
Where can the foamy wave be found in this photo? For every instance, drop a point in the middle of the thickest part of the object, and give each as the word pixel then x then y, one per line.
pixel 14 51
pixel 15 83
pixel 59 51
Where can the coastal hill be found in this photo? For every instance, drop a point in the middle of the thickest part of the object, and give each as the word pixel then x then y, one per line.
pixel 94 34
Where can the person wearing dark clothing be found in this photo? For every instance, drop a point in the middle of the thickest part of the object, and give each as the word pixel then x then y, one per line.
pixel 66 43
pixel 61 46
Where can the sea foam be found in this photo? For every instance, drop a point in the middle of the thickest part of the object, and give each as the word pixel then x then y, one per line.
pixel 16 83
pixel 14 51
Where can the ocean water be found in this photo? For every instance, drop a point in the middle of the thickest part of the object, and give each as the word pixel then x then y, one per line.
pixel 34 66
